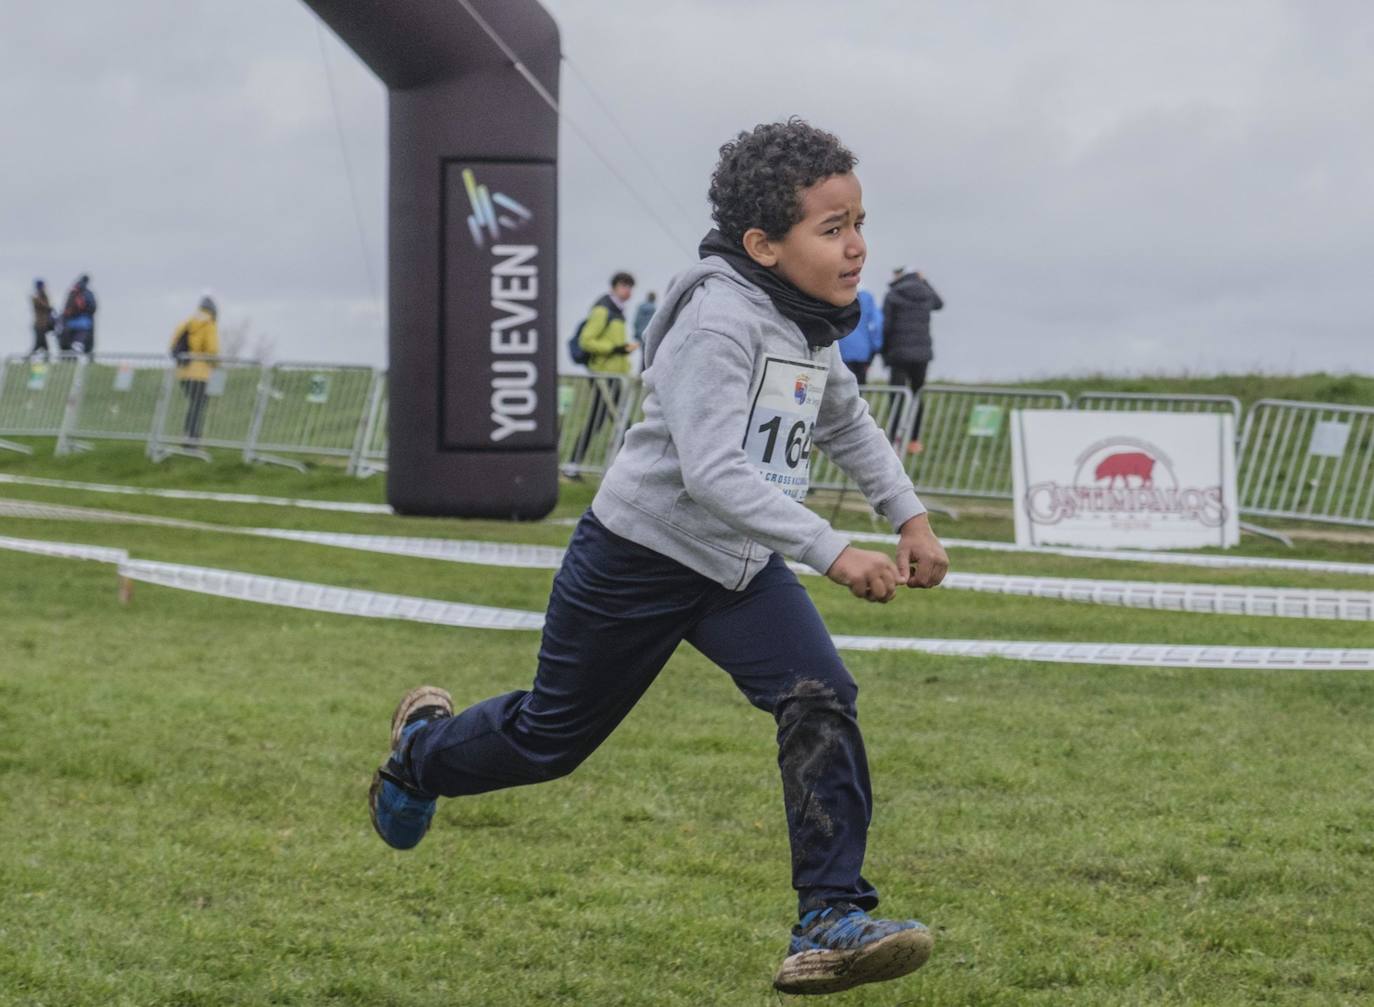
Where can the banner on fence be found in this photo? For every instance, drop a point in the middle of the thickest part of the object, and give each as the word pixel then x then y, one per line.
pixel 1124 480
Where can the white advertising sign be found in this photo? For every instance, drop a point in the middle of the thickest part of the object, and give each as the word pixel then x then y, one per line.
pixel 1123 480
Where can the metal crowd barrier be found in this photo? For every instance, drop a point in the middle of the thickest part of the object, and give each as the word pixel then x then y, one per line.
pixel 965 438
pixel 1312 461
pixel 113 397
pixel 309 409
pixel 371 456
pixel 1154 403
pixel 189 420
pixel 593 411
pixel 891 408
pixel 35 394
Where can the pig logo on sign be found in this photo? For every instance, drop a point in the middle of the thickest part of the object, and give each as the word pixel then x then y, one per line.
pixel 1124 478
pixel 1122 465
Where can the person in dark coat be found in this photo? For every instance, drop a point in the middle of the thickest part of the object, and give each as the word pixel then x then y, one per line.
pixel 78 318
pixel 907 346
pixel 42 318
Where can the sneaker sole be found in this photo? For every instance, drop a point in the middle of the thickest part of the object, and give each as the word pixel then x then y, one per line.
pixel 820 971
pixel 425 695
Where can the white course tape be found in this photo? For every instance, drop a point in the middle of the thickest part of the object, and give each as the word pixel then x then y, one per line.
pixel 64 550
pixel 1123 555
pixel 371 604
pixel 504 554
pixel 247 498
pixel 1302 603
pixel 453 550
pixel 319 598
pixel 323 598
pixel 1133 654
pixel 63 512
pixel 1139 556
pixel 1218 599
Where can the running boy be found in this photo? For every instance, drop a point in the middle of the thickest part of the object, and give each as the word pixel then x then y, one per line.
pixel 685 541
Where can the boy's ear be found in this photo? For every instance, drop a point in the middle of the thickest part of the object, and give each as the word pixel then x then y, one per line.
pixel 760 249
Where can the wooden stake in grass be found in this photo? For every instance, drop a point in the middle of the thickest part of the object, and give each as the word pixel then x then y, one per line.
pixel 126 590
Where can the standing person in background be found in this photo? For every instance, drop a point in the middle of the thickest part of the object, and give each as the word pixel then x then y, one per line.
pixel 858 349
pixel 78 318
pixel 195 339
pixel 644 314
pixel 907 346
pixel 602 338
pixel 42 318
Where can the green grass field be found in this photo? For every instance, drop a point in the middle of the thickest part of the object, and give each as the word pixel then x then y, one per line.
pixel 183 781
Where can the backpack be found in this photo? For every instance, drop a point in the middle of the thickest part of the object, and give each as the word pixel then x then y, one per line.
pixel 576 353
pixel 182 346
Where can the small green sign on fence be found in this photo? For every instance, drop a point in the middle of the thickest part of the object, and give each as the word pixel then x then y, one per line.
pixel 38 377
pixel 318 391
pixel 985 420
pixel 565 399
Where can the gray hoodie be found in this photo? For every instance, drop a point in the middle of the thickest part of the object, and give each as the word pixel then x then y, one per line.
pixel 735 399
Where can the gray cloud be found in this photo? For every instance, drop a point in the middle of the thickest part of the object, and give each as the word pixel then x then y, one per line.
pixel 1091 186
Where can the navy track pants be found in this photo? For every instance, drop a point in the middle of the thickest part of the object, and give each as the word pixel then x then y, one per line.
pixel 616 613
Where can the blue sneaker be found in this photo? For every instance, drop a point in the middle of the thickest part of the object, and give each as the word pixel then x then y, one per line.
pixel 836 947
pixel 400 811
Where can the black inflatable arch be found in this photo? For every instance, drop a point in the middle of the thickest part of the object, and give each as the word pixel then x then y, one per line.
pixel 472 277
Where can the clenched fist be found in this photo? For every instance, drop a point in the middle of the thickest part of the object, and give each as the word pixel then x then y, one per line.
pixel 921 559
pixel 870 575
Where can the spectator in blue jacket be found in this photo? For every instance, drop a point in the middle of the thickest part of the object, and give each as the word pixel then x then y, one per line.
pixel 645 315
pixel 858 349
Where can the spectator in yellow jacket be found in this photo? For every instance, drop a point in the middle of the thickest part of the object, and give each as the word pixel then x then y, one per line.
pixel 602 337
pixel 196 339
pixel 603 333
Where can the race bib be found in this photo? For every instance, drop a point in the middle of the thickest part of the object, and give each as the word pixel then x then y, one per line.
pixel 782 421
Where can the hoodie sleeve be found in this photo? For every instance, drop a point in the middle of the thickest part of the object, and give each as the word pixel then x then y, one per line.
pixel 703 389
pixel 848 435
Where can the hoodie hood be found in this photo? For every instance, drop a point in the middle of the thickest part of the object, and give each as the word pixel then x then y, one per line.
pixel 680 291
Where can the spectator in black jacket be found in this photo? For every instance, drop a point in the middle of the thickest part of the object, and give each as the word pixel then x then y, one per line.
pixel 907 347
pixel 43 321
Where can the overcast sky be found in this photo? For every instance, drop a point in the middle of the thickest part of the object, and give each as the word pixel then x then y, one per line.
pixel 1091 185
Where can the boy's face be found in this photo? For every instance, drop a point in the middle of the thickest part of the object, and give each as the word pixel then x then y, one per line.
pixel 623 290
pixel 823 252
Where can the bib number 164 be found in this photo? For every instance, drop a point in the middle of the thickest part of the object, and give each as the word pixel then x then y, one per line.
pixel 797 447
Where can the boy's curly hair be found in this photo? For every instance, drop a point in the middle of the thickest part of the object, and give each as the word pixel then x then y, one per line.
pixel 761 173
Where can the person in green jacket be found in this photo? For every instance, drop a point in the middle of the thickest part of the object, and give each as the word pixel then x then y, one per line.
pixel 603 333
pixel 603 338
